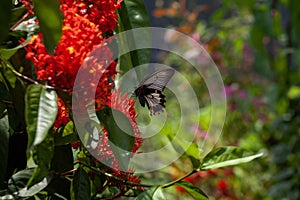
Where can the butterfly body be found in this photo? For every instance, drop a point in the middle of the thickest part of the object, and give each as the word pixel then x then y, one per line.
pixel 150 90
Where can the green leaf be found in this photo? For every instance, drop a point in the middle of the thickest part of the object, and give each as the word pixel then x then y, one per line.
pixel 50 21
pixel 5 13
pixel 194 191
pixel 133 14
pixel 120 134
pixel 227 156
pixel 36 188
pixel 66 135
pixel 4 137
pixel 81 185
pixel 40 113
pixel 194 154
pixel 153 193
pixel 42 156
pixel 19 180
pixel 17 13
pixel 7 53
pixel 17 184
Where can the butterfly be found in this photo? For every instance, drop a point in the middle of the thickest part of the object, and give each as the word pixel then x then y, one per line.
pixel 149 92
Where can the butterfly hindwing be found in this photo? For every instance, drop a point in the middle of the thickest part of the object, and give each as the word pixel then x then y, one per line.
pixel 150 90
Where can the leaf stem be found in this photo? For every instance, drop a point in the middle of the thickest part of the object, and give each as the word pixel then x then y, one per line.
pixel 179 179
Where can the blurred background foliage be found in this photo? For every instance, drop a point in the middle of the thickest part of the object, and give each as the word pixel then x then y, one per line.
pixel 255 44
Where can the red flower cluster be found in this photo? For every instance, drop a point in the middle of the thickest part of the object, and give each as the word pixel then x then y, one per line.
pixel 85 22
pixel 82 47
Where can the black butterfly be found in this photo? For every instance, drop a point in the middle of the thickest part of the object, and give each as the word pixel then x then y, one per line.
pixel 150 90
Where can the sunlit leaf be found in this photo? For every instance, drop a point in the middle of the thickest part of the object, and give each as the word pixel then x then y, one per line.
pixel 153 193
pixel 36 188
pixel 194 191
pixel 227 156
pixel 19 180
pixel 17 185
pixel 40 113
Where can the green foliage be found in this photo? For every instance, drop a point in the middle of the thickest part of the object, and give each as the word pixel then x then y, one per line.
pixel 81 185
pixel 121 134
pixel 50 21
pixel 154 193
pixel 133 15
pixel 227 156
pixel 40 113
pixel 194 191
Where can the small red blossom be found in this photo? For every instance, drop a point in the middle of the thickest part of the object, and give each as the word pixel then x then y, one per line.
pixel 75 145
pixel 222 186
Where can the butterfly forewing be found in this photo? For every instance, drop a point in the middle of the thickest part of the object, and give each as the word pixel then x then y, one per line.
pixel 158 80
pixel 150 90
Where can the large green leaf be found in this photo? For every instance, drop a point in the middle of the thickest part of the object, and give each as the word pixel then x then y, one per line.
pixel 5 12
pixel 42 156
pixel 120 134
pixel 194 191
pixel 36 188
pixel 17 185
pixel 50 21
pixel 133 14
pixel 227 156
pixel 19 180
pixel 4 137
pixel 40 113
pixel 81 185
pixel 153 193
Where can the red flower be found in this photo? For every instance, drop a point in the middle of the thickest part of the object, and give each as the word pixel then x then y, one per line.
pixel 222 187
pixel 82 32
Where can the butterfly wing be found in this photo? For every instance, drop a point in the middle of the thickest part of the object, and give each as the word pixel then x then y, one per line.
pixel 155 101
pixel 158 80
pixel 150 90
